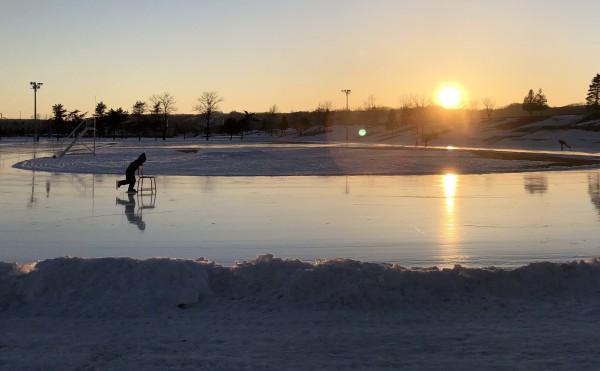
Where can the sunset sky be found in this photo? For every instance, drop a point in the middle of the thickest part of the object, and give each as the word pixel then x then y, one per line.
pixel 292 53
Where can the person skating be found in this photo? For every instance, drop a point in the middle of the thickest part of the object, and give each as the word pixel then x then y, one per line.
pixel 130 173
pixel 563 144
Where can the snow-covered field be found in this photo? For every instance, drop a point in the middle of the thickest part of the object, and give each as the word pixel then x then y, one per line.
pixel 269 313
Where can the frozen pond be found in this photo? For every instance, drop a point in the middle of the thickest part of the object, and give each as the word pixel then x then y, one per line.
pixel 474 220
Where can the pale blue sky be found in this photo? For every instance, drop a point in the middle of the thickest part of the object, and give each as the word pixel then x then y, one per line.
pixel 293 53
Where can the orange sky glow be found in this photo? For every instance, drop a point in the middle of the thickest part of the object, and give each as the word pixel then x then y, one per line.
pixel 293 54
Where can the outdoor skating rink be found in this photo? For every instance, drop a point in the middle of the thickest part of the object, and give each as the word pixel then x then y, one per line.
pixel 497 219
pixel 503 277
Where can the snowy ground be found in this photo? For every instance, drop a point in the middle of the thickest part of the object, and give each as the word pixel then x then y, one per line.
pixel 164 314
pixel 160 314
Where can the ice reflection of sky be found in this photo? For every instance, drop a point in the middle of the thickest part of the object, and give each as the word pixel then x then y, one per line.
pixel 490 219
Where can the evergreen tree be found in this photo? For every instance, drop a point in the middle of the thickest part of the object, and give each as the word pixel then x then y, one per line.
pixel 115 120
pixel 246 123
pixel 529 103
pixel 100 115
pixel 541 103
pixel 138 110
pixel 59 113
pixel 593 96
pixel 100 110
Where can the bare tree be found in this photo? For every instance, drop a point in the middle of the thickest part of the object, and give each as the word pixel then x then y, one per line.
pixel 322 114
pixel 488 106
pixel 473 107
pixel 208 103
pixel 412 112
pixel 269 120
pixel 406 111
pixel 325 105
pixel 392 120
pixel 373 114
pixel 370 104
pixel 419 103
pixel 163 106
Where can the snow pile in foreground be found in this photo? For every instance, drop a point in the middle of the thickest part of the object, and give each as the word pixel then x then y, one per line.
pixel 269 313
pixel 108 286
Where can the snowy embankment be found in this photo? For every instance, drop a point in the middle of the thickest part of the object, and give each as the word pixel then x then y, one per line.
pixel 124 286
pixel 157 314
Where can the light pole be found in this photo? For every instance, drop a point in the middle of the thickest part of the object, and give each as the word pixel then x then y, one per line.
pixel 347 92
pixel 35 86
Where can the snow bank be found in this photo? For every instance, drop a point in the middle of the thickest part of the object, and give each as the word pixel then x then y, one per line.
pixel 108 286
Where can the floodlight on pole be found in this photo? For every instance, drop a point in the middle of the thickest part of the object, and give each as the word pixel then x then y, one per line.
pixel 35 86
pixel 347 92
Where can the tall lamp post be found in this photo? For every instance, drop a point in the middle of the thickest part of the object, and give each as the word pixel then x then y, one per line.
pixel 347 92
pixel 35 86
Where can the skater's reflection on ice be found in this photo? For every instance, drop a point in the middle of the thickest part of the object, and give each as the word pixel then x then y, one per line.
pixel 130 213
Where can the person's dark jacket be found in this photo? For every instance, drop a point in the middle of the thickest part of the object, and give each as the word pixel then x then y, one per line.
pixel 135 164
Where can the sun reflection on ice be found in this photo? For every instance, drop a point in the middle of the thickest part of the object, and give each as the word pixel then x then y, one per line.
pixel 449 235
pixel 450 182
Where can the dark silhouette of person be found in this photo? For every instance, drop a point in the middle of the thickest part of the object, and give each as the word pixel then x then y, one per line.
pixel 563 144
pixel 130 211
pixel 130 173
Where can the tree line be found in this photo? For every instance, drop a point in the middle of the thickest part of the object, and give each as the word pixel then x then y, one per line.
pixel 157 117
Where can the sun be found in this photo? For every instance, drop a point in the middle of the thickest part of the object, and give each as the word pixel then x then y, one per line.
pixel 449 97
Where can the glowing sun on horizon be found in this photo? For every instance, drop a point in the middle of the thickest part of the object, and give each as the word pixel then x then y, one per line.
pixel 449 97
